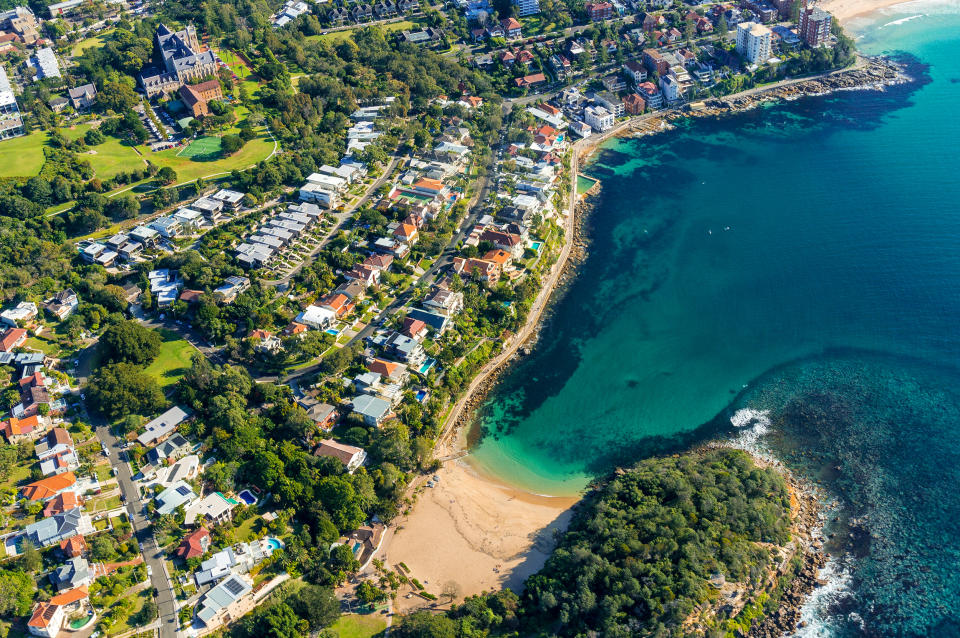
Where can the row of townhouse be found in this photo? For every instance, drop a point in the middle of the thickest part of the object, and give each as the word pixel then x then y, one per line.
pixel 274 232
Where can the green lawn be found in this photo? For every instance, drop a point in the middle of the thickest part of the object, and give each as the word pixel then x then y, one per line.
pixel 188 169
pixel 357 626
pixel 44 345
pixel 244 532
pixel 336 37
pixel 22 156
pixel 173 360
pixel 123 625
pixel 88 43
pixel 202 148
pixel 103 504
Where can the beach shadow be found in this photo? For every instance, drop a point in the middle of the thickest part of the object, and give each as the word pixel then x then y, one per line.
pixel 543 542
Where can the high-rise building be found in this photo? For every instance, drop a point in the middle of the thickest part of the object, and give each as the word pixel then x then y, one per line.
pixel 527 7
pixel 753 42
pixel 814 28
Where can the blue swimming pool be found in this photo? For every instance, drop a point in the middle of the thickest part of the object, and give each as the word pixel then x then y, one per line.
pixel 274 543
pixel 332 331
pixel 421 395
pixel 247 497
pixel 429 363
pixel 536 246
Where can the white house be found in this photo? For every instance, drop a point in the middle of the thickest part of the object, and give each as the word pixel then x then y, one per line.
pixel 317 317
pixel 754 42
pixel 598 118
pixel 352 457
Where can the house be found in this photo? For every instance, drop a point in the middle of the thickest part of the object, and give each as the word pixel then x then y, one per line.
pixel 429 36
pixel 337 302
pixel 650 94
pixel 407 233
pixel 162 426
pixel 404 348
pixel 145 235
pixel 366 275
pixel 83 97
pixel 614 82
pixel 597 11
pixel 323 414
pixel 225 602
pixel 374 410
pixel 316 317
pixel 529 81
pixel 599 118
pixel 28 429
pixel 446 302
pixel 511 28
pixel 655 61
pixel 213 509
pixel 23 312
pixel 190 220
pixel 48 617
pixel 389 370
pixel 170 450
pixel 76 572
pixel 57 441
pixel 168 227
pixel 53 529
pixel 194 544
pixel 62 304
pixel 191 296
pixel 235 559
pixel 509 242
pixel 62 502
pixel 228 198
pixel 232 287
pixel 63 462
pixel 177 495
pixel 47 488
pixel 633 104
pixel 635 71
pixel 414 328
pixel 12 338
pixel 73 546
pixel 377 262
pixel 183 470
pixel 267 341
pixel 352 457
pixel 671 88
pixel 485 270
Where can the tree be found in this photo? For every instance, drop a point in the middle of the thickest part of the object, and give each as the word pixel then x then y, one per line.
pixel 370 594
pixel 317 605
pixel 119 389
pixel 30 558
pixel 451 590
pixel 130 342
pixel 230 144
pixel 423 624
pixel 16 593
pixel 123 207
pixel 147 613
pixel 166 176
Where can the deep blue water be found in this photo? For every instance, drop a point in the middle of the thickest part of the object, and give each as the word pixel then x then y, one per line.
pixel 800 258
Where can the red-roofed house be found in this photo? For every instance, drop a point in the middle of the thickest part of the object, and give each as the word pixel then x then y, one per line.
pixel 486 270
pixel 28 429
pixel 407 233
pixel 191 296
pixel 509 242
pixel 73 546
pixel 12 338
pixel 414 328
pixel 260 334
pixel 599 10
pixel 634 104
pixel 47 488
pixel 379 262
pixel 61 503
pixel 48 618
pixel 337 302
pixel 389 369
pixel 511 28
pixel 194 544
pixel 530 80
pixel 294 329
pixel 524 57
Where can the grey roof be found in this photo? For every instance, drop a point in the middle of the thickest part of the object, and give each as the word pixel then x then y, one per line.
pixel 163 425
pixel 71 574
pixel 174 496
pixel 221 596
pixel 371 406
pixel 54 529
pixel 168 448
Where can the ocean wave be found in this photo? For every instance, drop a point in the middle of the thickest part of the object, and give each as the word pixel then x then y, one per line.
pixel 902 20
pixel 926 7
pixel 817 616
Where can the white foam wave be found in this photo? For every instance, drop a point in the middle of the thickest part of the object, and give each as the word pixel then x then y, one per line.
pixel 816 619
pixel 753 425
pixel 926 7
pixel 902 20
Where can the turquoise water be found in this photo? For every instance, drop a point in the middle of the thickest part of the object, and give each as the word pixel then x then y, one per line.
pixel 800 258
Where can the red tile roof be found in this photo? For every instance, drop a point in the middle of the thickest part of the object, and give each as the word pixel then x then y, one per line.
pixel 73 546
pixel 61 503
pixel 192 545
pixel 70 596
pixel 48 487
pixel 15 427
pixel 10 339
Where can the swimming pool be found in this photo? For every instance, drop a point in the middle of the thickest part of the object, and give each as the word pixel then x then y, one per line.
pixel 421 395
pixel 535 246
pixel 274 543
pixel 247 497
pixel 332 331
pixel 427 365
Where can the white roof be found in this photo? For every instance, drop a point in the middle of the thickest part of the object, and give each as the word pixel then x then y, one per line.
pixel 213 505
pixel 163 424
pixel 222 596
pixel 316 315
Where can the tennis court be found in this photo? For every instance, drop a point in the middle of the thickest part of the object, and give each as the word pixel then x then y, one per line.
pixel 202 148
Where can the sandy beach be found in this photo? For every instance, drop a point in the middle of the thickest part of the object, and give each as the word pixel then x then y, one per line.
pixel 845 10
pixel 475 532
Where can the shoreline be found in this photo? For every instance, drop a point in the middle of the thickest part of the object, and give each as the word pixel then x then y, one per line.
pixel 475 528
pixel 846 10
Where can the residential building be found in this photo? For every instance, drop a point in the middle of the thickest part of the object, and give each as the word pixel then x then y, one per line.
pixel 230 198
pixel 232 287
pixel 511 28
pixel 650 94
pixel 57 441
pixel 13 338
pixel 225 602
pixel 316 317
pixel 44 63
pixel 323 414
pixel 28 429
pixel 524 8
pixel 53 529
pixel 655 61
pixel 581 128
pixel 633 104
pixel 168 227
pixel 352 457
pixel 76 572
pixel 162 426
pixel 404 348
pixel 212 509
pixel 180 494
pixel 62 502
pixel 529 81
pixel 598 118
pixel 11 123
pixel 374 410
pixel 814 27
pixel 611 102
pixel 48 617
pixel 671 88
pixel 194 544
pixel 614 82
pixel 597 11
pixel 753 42
pixel 145 235
pixel 47 488
pixel 429 36
pixel 23 312
pixel 636 71
pixel 83 97
pixel 172 449
pixel 73 546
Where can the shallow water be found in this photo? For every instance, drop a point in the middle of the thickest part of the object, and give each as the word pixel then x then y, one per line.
pixel 800 258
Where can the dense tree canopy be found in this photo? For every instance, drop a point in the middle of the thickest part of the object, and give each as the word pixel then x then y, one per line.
pixel 129 342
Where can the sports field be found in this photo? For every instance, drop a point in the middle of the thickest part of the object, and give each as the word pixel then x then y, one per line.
pixel 22 156
pixel 202 149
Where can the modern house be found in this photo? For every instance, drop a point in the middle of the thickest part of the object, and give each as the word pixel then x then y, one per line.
pixel 374 410
pixel 53 529
pixel 162 426
pixel 352 457
pixel 212 509
pixel 177 495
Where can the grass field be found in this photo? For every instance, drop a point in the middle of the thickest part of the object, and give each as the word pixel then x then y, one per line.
pixel 107 159
pixel 202 148
pixel 22 156
pixel 173 360
pixel 88 43
pixel 336 37
pixel 357 626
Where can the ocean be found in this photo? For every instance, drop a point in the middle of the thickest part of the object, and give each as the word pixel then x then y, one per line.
pixel 799 259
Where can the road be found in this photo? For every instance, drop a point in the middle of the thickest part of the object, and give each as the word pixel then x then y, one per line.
pixel 152 555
